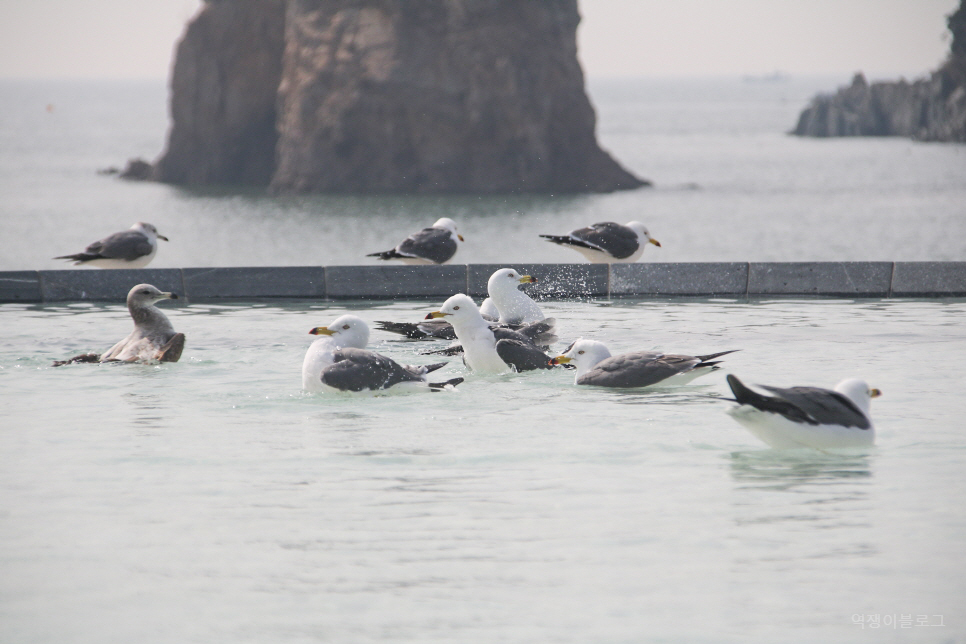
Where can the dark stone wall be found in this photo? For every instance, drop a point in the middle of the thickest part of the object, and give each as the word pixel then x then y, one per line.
pixel 930 109
pixel 428 96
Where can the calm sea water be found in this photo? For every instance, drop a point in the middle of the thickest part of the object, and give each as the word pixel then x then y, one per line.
pixel 730 186
pixel 212 501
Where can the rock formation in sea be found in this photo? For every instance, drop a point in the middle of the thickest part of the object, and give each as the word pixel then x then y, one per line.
pixel 382 96
pixel 930 109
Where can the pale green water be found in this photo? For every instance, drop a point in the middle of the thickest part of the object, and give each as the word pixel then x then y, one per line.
pixel 211 501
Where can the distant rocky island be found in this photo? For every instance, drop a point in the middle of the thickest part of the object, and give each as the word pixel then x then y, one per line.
pixel 381 96
pixel 930 109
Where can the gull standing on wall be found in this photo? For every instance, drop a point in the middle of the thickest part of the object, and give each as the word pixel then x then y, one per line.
pixel 434 245
pixel 132 248
pixel 607 242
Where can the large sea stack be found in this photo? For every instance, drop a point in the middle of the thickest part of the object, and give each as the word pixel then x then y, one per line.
pixel 931 109
pixel 383 96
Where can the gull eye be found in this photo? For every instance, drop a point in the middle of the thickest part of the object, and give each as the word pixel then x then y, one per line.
pixel 456 308
pixel 345 326
pixel 580 353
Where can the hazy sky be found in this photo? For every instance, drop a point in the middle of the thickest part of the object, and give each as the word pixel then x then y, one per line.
pixel 136 38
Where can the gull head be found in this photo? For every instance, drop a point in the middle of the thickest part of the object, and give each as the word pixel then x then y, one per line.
pixel 507 280
pixel 144 295
pixel 346 331
pixel 859 392
pixel 584 354
pixel 448 224
pixel 149 230
pixel 458 309
pixel 642 233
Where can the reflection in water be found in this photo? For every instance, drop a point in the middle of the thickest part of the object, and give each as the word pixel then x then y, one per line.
pixel 793 469
pixel 149 408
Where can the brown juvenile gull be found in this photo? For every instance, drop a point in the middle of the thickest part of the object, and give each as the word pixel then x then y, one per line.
pixel 153 338
pixel 132 248
pixel 607 242
pixel 434 245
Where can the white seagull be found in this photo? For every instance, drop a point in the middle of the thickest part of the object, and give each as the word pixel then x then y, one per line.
pixel 596 366
pixel 434 245
pixel 807 416
pixel 344 332
pixel 607 242
pixel 486 349
pixel 509 306
pixel 153 338
pixel 132 248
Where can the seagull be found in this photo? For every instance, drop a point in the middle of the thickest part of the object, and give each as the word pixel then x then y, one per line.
pixel 434 245
pixel 596 366
pixel 153 338
pixel 486 349
pixel 358 370
pixel 607 242
pixel 807 416
pixel 344 332
pixel 132 248
pixel 511 307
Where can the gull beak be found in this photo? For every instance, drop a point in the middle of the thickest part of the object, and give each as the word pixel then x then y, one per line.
pixel 321 330
pixel 162 237
pixel 874 393
pixel 560 360
pixel 435 314
pixel 460 237
pixel 528 279
pixel 651 240
pixel 170 296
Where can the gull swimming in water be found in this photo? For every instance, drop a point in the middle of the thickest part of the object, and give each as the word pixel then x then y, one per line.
pixel 607 242
pixel 345 332
pixel 358 370
pixel 153 338
pixel 132 248
pixel 807 416
pixel 509 307
pixel 487 349
pixel 596 366
pixel 434 245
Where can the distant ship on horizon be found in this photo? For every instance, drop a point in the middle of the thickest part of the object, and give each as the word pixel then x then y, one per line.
pixel 776 76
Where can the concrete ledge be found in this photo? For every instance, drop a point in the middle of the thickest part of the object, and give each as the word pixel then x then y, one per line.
pixel 388 282
pixel 20 286
pixel 105 285
pixel 265 281
pixel 701 278
pixel 553 280
pixel 860 279
pixel 921 279
pixel 736 279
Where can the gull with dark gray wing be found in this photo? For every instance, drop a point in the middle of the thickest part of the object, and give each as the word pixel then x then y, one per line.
pixel 596 366
pixel 133 248
pixel 807 416
pixel 486 349
pixel 607 242
pixel 434 245
pixel 359 370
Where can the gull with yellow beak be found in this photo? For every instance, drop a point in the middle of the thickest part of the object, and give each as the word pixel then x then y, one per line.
pixel 434 245
pixel 510 307
pixel 607 242
pixel 807 416
pixel 350 332
pixel 597 367
pixel 489 349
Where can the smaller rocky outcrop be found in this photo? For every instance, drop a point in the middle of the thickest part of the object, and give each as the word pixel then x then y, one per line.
pixel 930 109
